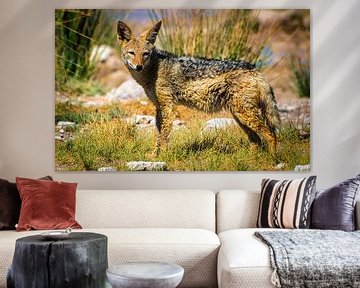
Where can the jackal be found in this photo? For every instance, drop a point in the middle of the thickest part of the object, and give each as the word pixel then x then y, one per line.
pixel 208 85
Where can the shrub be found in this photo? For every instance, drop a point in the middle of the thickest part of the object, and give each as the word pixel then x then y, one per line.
pixel 300 70
pixel 211 33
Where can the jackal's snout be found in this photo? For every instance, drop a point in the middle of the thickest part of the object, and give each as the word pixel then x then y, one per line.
pixel 139 68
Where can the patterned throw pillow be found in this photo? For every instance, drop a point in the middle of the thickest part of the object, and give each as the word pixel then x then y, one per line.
pixel 286 204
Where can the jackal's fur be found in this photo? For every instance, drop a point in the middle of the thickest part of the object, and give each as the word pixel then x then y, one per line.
pixel 204 84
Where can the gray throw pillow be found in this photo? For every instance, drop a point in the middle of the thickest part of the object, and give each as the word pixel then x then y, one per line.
pixel 334 208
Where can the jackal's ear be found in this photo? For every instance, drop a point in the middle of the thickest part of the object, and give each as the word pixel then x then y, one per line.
pixel 123 31
pixel 151 34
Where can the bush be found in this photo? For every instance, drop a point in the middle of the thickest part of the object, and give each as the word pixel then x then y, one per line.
pixel 220 34
pixel 300 70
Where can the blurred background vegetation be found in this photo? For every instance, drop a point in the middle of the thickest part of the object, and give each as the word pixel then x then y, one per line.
pixel 219 34
pixel 76 33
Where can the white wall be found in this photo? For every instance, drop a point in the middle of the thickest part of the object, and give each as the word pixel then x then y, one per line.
pixel 27 95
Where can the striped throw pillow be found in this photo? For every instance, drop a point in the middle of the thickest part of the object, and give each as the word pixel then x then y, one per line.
pixel 286 204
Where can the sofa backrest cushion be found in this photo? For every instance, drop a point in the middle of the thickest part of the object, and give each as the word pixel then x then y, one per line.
pixel 146 209
pixel 236 209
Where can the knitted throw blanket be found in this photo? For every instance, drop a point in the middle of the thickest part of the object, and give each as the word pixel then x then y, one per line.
pixel 313 258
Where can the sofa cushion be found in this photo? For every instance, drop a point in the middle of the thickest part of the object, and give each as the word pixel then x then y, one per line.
pixel 236 209
pixel 10 204
pixel 334 208
pixel 286 204
pixel 244 261
pixel 46 204
pixel 153 209
pixel 194 249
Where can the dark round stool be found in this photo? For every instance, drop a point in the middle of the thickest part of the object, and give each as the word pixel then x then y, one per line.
pixel 79 260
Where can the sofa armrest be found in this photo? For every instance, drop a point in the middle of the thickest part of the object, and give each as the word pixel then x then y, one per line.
pixel 357 215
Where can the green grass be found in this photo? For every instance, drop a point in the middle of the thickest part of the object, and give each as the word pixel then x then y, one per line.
pixel 76 87
pixel 113 142
pixel 68 112
pixel 76 31
pixel 300 70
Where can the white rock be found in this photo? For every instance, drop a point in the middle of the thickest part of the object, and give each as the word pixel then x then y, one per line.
pixel 219 123
pixel 146 166
pixel 144 103
pixel 145 126
pixel 307 120
pixel 302 168
pixel 101 53
pixel 65 124
pixel 280 166
pixel 179 125
pixel 286 108
pixel 90 104
pixel 141 119
pixel 106 169
pixel 129 90
pixel 153 122
pixel 178 122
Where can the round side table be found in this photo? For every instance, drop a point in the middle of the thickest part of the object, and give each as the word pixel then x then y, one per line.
pixel 78 261
pixel 145 275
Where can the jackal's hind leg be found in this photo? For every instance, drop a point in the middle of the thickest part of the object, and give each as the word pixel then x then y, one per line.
pixel 253 137
pixel 256 129
pixel 164 120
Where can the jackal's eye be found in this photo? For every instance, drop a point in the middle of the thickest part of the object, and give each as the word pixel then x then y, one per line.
pixel 146 54
pixel 132 53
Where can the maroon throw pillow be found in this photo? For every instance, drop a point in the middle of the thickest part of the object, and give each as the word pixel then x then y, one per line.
pixel 46 204
pixel 10 204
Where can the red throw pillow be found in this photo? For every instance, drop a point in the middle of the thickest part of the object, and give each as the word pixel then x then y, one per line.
pixel 46 204
pixel 10 204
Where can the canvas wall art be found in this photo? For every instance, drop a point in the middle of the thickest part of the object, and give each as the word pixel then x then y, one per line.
pixel 182 90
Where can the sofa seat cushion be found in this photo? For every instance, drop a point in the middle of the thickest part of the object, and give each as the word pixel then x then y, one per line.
pixel 196 250
pixel 244 261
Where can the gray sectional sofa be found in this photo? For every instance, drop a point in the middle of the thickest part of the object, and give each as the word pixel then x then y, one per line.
pixel 209 234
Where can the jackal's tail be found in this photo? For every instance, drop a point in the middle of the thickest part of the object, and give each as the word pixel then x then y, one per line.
pixel 270 111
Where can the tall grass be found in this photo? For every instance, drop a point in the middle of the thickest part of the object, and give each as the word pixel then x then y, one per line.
pixel 76 30
pixel 300 70
pixel 211 33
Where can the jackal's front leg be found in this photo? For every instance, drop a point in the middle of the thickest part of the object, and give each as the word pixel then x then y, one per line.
pixel 164 120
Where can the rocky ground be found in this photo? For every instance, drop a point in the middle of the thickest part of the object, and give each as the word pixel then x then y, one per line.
pixel 130 97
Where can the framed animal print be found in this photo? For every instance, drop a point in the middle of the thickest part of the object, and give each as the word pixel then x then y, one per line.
pixel 182 90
